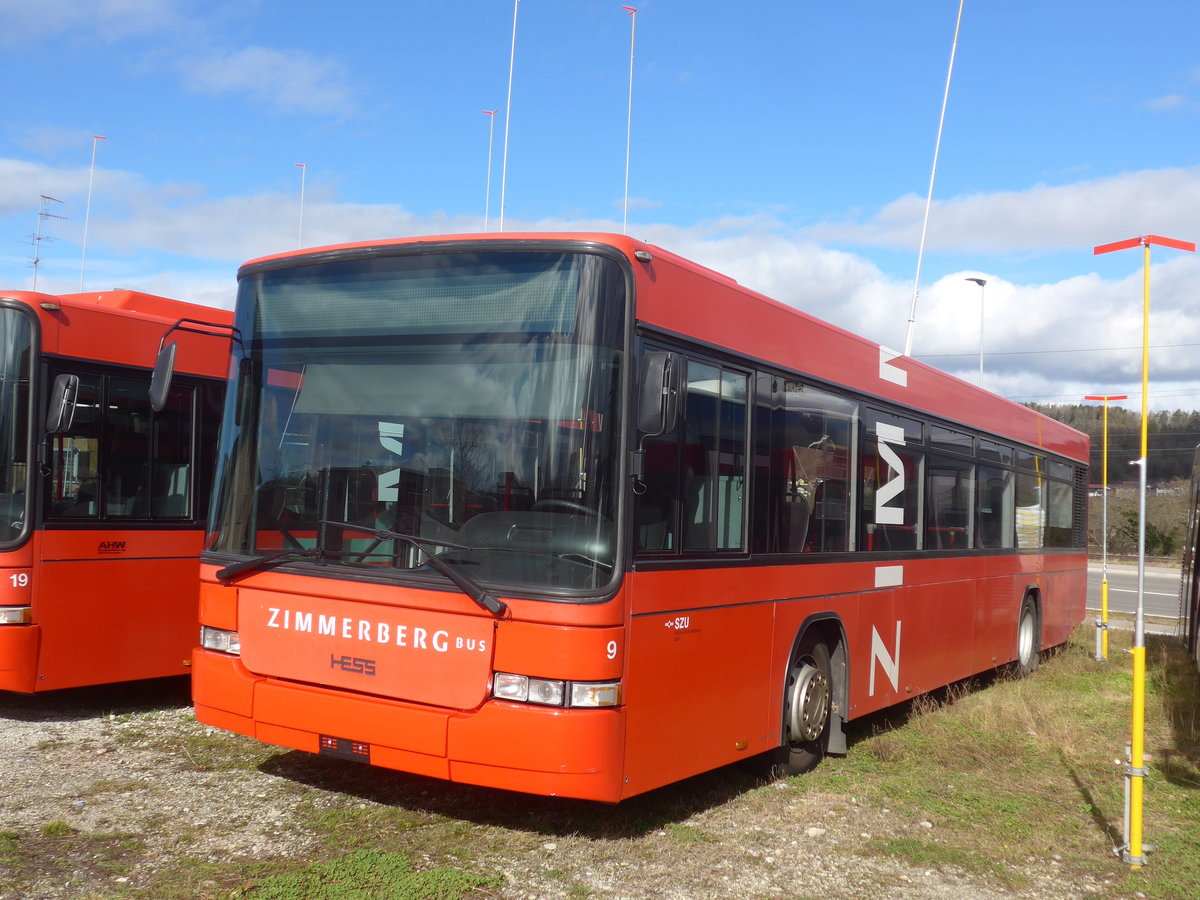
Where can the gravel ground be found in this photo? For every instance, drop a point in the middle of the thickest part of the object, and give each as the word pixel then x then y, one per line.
pixel 129 768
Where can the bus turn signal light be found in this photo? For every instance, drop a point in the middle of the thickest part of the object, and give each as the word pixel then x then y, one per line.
pixel 549 692
pixel 15 615
pixel 221 641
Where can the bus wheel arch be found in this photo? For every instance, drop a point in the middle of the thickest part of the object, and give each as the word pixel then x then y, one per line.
pixel 814 700
pixel 1029 634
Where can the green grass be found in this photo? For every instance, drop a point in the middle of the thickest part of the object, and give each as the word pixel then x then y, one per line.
pixel 1022 770
pixel 685 834
pixel 926 854
pixel 368 875
pixel 57 829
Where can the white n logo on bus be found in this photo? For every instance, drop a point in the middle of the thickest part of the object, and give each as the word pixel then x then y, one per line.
pixel 884 514
pixel 889 663
pixel 889 372
pixel 389 482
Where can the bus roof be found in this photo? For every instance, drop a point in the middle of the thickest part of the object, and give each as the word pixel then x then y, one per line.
pixel 124 326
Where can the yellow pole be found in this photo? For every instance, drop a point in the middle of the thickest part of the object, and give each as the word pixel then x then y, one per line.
pixel 1135 770
pixel 1104 578
pixel 1102 622
pixel 1137 758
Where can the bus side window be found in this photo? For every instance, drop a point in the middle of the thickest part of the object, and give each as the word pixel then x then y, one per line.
pixel 126 449
pixel 171 472
pixel 804 445
pixel 948 500
pixel 714 458
pixel 657 506
pixel 694 479
pixel 994 508
pixel 75 458
pixel 891 482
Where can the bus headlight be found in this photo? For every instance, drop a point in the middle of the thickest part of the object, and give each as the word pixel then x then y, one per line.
pixel 15 615
pixel 221 641
pixel 595 694
pixel 549 692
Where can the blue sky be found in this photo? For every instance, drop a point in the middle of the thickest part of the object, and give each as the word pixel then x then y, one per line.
pixel 788 144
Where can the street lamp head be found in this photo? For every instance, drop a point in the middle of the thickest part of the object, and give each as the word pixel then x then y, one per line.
pixel 979 281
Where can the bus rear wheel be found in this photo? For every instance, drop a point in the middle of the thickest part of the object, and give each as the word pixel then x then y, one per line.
pixel 808 698
pixel 1029 645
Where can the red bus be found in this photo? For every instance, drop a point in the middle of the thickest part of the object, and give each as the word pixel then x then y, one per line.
pixel 102 500
pixel 568 514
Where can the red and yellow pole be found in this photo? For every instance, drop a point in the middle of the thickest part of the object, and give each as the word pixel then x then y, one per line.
pixel 1135 769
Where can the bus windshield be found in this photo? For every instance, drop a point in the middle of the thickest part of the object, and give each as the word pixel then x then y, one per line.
pixel 16 345
pixel 462 405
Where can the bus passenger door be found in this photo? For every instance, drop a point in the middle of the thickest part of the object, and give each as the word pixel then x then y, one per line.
pixel 699 660
pixel 118 577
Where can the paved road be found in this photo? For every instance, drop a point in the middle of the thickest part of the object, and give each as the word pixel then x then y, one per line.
pixel 1162 589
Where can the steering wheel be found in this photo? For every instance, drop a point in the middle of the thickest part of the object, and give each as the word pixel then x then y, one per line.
pixel 559 503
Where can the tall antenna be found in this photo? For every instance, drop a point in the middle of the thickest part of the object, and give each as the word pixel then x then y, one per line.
pixel 912 312
pixel 512 57
pixel 629 115
pixel 87 214
pixel 38 237
pixel 487 196
pixel 303 167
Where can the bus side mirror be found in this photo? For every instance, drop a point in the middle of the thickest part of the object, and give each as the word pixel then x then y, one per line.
pixel 61 412
pixel 658 400
pixel 160 381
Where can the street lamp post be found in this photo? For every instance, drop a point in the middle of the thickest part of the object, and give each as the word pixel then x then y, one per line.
pixel 1102 622
pixel 981 282
pixel 1135 769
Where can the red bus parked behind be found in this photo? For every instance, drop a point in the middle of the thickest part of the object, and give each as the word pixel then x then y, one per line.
pixel 102 500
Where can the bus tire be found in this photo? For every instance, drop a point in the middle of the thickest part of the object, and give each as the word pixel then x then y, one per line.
pixel 808 699
pixel 1029 643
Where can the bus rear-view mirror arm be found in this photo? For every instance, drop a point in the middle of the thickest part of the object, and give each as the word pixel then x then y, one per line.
pixel 63 397
pixel 164 364
pixel 658 403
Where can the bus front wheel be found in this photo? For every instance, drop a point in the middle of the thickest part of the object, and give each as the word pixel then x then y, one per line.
pixel 808 697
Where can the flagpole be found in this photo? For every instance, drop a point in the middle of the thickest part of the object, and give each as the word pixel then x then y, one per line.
pixel 629 115
pixel 512 55
pixel 487 197
pixel 937 146
pixel 303 167
pixel 88 210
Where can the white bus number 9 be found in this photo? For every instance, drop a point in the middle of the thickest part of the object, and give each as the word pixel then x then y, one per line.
pixel 612 649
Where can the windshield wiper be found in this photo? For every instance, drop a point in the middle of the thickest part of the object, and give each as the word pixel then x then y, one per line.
pixel 467 585
pixel 264 562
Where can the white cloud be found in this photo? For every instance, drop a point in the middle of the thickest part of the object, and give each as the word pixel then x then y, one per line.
pixel 1166 103
pixel 164 35
pixel 1042 218
pixel 290 81
pixel 110 20
pixel 1044 341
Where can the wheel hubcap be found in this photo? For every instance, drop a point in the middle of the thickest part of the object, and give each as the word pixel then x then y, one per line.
pixel 810 704
pixel 1025 639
